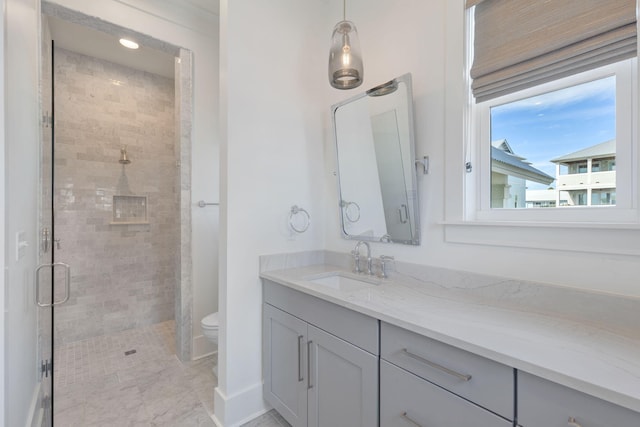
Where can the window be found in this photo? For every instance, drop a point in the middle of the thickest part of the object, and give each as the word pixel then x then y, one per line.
pixel 579 197
pixel 563 136
pixel 603 197
pixel 604 165
pixel 556 146
pixel 534 139
pixel 555 221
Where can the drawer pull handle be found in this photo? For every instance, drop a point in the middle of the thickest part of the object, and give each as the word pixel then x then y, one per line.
pixel 446 370
pixel 408 419
pixel 573 423
pixel 300 376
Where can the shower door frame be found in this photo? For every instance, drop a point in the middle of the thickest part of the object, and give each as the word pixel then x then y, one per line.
pixel 44 278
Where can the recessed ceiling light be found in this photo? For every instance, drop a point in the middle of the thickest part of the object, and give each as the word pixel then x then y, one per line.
pixel 129 43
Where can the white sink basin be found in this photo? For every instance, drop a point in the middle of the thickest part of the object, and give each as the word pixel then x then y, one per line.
pixel 341 282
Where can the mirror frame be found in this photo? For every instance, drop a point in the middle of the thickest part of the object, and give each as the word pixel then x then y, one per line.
pixel 382 90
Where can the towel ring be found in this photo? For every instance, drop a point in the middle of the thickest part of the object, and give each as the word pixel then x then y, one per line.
pixel 354 216
pixel 295 210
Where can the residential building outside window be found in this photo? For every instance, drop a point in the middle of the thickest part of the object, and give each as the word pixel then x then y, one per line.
pixel 591 177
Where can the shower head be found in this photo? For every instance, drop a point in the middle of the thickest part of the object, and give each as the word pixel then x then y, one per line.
pixel 123 156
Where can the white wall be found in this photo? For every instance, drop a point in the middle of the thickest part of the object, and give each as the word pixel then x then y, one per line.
pixel 2 216
pixel 273 73
pixel 424 37
pixel 21 135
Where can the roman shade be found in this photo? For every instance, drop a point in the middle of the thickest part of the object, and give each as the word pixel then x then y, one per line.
pixel 523 43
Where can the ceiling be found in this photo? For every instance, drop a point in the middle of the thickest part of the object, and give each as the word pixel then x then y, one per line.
pixel 102 45
pixel 87 41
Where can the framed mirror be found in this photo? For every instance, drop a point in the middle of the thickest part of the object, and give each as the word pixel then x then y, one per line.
pixel 377 182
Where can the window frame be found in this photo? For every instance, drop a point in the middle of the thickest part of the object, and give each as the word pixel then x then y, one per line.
pixel 478 182
pixel 457 221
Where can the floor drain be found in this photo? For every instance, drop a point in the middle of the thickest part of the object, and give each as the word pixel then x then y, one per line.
pixel 130 352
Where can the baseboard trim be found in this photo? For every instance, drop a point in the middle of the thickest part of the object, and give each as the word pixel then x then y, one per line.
pixel 240 408
pixel 216 421
pixel 202 347
pixel 254 416
pixel 205 355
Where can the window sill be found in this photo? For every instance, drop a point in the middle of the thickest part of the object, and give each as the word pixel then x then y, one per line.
pixel 548 224
pixel 597 238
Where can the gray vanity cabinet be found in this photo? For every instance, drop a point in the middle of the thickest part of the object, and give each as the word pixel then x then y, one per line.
pixel 318 367
pixel 543 403
pixel 325 365
pixel 425 382
pixel 285 364
pixel 343 383
pixel 408 400
pixel 486 383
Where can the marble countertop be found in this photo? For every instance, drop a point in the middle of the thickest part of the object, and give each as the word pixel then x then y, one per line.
pixel 588 353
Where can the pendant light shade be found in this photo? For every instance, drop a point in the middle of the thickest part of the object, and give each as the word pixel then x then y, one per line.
pixel 345 58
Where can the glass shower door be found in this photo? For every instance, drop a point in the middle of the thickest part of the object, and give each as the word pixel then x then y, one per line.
pixel 52 278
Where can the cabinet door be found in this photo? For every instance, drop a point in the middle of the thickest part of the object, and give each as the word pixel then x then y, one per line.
pixel 343 383
pixel 409 401
pixel 284 364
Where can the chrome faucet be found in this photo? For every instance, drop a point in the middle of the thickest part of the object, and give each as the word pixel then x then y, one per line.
pixel 356 255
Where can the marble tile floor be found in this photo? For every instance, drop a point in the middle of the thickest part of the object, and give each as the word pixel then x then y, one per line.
pixel 270 419
pixel 101 382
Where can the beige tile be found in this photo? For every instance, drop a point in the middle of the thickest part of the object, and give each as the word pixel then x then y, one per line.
pixel 122 275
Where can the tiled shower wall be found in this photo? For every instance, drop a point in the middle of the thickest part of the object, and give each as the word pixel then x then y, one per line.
pixel 122 275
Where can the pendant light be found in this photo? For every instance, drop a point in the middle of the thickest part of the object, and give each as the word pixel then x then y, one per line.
pixel 345 58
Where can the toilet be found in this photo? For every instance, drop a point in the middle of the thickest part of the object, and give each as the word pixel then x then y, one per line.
pixel 209 325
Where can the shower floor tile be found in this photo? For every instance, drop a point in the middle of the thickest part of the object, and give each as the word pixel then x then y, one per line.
pixel 101 382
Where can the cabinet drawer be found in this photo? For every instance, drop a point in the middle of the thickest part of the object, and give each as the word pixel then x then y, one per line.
pixel 407 400
pixel 482 381
pixel 349 325
pixel 543 403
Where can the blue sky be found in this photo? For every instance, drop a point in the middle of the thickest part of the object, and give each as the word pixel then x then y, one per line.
pixel 551 125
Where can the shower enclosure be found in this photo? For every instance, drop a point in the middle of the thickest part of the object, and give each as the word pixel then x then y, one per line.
pixel 115 207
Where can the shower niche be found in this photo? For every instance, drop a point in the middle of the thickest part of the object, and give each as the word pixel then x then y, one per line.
pixel 130 210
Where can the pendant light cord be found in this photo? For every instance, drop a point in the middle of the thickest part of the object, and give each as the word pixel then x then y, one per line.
pixel 344 10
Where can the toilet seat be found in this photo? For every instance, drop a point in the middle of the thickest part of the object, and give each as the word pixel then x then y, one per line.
pixel 210 321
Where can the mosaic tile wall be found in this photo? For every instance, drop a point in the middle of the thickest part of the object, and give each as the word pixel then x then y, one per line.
pixel 122 275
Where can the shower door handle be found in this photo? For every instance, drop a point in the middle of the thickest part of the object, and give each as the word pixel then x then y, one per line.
pixel 67 283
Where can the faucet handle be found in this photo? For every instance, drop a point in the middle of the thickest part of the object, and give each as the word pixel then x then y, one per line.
pixel 383 265
pixel 356 261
